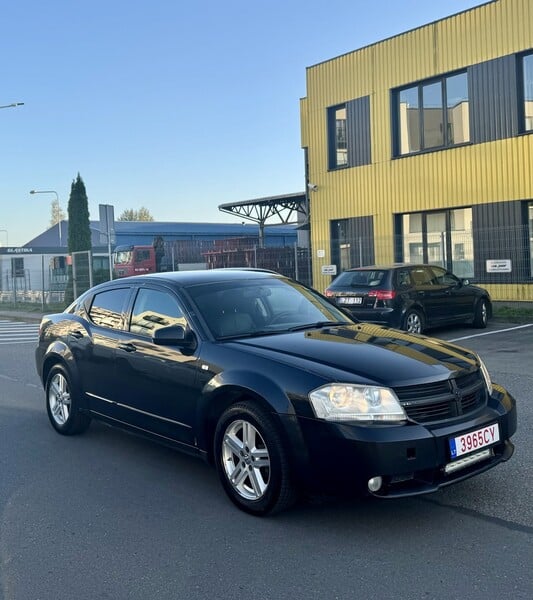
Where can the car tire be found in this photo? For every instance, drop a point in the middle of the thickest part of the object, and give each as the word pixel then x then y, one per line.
pixel 413 322
pixel 62 403
pixel 246 434
pixel 481 314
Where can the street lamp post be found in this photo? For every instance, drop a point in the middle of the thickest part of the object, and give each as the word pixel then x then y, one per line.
pixel 58 209
pixel 12 105
pixel 7 236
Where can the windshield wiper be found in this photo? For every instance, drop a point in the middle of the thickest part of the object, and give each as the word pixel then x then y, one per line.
pixel 249 334
pixel 317 325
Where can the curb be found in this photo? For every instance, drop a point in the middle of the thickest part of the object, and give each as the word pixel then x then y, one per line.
pixel 21 315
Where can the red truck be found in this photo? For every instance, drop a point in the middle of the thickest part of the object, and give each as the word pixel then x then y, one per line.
pixel 133 260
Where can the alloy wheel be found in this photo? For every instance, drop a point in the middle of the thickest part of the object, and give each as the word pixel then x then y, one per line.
pixel 413 323
pixel 246 460
pixel 59 399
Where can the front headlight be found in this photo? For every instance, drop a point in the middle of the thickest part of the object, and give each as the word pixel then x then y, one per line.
pixel 486 375
pixel 349 402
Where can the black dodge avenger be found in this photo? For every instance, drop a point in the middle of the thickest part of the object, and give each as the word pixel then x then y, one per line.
pixel 281 391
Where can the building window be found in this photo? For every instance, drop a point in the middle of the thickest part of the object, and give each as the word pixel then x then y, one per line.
pixel 528 91
pixel 432 114
pixel 338 154
pixel 440 238
pixel 17 267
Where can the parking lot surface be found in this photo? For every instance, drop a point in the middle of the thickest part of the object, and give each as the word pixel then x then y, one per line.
pixel 110 515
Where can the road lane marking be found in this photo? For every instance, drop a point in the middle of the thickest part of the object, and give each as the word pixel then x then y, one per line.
pixel 468 337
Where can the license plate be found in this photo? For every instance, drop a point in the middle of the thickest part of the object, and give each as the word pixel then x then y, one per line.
pixel 352 300
pixel 469 442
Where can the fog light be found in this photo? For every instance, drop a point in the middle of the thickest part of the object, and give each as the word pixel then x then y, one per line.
pixel 374 484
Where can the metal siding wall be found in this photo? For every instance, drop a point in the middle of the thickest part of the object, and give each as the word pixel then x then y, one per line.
pixel 359 144
pixel 499 234
pixel 493 92
pixel 497 214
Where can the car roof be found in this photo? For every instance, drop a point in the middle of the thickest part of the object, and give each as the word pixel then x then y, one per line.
pixel 388 267
pixel 200 276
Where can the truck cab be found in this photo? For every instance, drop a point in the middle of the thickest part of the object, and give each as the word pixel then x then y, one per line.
pixel 133 260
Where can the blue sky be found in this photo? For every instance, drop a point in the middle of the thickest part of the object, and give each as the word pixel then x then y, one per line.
pixel 176 106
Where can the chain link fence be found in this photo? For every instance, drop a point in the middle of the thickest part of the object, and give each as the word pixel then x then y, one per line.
pixel 496 255
pixel 500 258
pixel 54 281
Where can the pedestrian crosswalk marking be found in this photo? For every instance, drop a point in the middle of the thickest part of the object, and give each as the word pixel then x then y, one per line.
pixel 16 332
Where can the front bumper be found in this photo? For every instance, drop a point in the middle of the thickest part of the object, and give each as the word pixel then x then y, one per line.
pixel 410 458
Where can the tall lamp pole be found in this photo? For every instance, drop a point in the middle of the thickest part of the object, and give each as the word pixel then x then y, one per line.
pixel 58 209
pixel 12 105
pixel 7 235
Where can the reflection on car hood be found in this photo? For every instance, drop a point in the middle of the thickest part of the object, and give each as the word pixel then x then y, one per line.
pixel 371 352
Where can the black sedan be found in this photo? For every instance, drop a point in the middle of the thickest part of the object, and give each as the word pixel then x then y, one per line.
pixel 410 297
pixel 280 390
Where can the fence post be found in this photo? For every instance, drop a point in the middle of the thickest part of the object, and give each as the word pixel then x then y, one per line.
pixel 296 272
pixel 42 282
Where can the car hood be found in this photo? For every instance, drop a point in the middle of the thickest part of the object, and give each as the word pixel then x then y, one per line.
pixel 367 352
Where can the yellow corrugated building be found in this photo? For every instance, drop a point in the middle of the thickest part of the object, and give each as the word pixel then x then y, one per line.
pixel 419 148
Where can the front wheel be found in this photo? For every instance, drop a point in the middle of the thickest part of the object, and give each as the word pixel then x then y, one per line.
pixel 481 314
pixel 251 460
pixel 62 403
pixel 413 322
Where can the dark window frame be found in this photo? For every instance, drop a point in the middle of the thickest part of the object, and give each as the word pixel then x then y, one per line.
pixel 332 137
pixel 17 266
pixel 419 85
pixel 522 92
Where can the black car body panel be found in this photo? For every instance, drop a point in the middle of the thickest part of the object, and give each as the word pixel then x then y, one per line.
pixel 176 393
pixel 385 295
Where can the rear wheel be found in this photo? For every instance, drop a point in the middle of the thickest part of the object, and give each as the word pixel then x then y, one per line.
pixel 413 322
pixel 481 314
pixel 62 404
pixel 251 460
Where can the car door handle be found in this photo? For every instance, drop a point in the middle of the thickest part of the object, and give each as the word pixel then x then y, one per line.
pixel 76 334
pixel 127 347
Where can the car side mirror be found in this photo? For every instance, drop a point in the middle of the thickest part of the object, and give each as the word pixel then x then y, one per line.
pixel 175 335
pixel 464 281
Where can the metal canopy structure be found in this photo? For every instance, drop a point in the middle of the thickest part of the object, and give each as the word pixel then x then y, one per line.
pixel 282 210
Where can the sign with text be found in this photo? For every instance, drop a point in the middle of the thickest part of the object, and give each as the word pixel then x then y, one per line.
pixel 329 269
pixel 498 266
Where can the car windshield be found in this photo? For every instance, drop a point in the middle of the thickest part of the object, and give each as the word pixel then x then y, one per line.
pixel 261 306
pixel 367 278
pixel 122 257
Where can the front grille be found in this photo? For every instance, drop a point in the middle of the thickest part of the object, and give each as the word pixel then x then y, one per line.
pixel 439 401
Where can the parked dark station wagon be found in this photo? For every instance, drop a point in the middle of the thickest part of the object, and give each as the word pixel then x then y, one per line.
pixel 412 297
pixel 280 390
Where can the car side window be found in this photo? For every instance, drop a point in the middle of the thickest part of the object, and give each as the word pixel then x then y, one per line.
pixel 154 309
pixel 403 278
pixel 107 308
pixel 442 277
pixel 421 277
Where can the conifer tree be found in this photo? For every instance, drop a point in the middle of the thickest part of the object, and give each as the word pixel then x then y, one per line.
pixel 79 231
pixel 79 238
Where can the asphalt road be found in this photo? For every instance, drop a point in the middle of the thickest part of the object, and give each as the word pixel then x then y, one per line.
pixel 107 515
